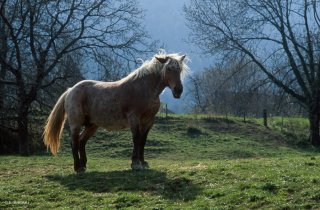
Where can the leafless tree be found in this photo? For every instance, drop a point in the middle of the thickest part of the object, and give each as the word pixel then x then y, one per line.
pixel 236 87
pixel 36 36
pixel 281 37
pixel 199 99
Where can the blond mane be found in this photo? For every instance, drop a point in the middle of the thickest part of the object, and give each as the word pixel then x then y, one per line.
pixel 153 66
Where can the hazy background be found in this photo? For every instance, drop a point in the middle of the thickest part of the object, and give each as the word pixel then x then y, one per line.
pixel 165 22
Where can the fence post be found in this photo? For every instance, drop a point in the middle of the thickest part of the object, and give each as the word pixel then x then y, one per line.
pixel 265 118
pixel 281 121
pixel 166 110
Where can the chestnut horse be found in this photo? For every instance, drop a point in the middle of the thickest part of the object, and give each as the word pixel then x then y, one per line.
pixel 131 102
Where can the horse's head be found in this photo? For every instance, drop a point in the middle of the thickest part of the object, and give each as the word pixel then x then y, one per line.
pixel 172 69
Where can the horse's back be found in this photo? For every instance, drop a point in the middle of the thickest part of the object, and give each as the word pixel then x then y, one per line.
pixel 78 93
pixel 89 89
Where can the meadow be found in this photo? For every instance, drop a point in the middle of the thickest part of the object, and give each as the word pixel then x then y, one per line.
pixel 196 162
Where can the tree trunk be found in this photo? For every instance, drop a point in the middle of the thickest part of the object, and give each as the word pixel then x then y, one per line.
pixel 314 118
pixel 4 53
pixel 23 132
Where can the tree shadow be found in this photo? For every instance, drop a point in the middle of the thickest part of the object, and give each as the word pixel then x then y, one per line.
pixel 152 181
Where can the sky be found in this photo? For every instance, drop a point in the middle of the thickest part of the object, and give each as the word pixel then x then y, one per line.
pixel 165 22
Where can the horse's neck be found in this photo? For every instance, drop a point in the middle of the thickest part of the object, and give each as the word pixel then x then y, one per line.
pixel 151 84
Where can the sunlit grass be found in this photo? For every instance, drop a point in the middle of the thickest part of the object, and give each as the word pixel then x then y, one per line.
pixel 204 162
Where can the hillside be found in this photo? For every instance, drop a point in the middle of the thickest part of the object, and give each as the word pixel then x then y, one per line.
pixel 197 162
pixel 204 137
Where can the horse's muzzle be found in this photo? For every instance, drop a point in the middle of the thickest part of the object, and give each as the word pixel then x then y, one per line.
pixel 177 91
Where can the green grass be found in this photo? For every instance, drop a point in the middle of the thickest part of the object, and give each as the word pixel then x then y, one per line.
pixel 196 163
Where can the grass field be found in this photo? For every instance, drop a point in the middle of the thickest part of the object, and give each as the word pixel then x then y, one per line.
pixel 196 162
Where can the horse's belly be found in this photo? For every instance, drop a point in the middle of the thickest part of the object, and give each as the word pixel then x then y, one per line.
pixel 108 116
pixel 114 126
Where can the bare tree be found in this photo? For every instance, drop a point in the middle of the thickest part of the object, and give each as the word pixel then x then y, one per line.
pixel 281 37
pixel 39 34
pixel 238 88
pixel 199 98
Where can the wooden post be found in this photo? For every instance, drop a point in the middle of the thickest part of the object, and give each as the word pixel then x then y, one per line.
pixel 166 110
pixel 281 121
pixel 265 118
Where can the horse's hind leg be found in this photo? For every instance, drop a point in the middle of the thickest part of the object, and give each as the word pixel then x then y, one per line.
pixel 75 147
pixel 136 164
pixel 85 135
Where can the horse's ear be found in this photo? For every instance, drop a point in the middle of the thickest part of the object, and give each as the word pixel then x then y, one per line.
pixel 182 57
pixel 162 59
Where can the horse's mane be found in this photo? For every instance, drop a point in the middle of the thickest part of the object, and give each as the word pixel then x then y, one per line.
pixel 153 66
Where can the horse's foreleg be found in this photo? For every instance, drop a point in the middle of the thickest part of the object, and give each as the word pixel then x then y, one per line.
pixel 143 139
pixel 85 135
pixel 144 130
pixel 75 148
pixel 134 122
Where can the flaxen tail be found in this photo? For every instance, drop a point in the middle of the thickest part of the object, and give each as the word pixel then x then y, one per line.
pixel 54 126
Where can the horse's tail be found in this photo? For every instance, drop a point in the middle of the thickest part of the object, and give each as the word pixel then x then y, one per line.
pixel 54 126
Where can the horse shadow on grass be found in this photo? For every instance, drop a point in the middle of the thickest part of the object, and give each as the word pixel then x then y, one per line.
pixel 151 181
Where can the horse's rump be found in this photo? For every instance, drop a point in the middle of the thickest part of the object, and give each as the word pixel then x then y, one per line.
pixel 94 102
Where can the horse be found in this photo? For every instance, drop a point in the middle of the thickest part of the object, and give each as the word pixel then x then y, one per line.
pixel 131 102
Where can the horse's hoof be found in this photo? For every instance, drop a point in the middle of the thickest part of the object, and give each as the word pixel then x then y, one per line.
pixel 145 164
pixel 80 170
pixel 136 166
